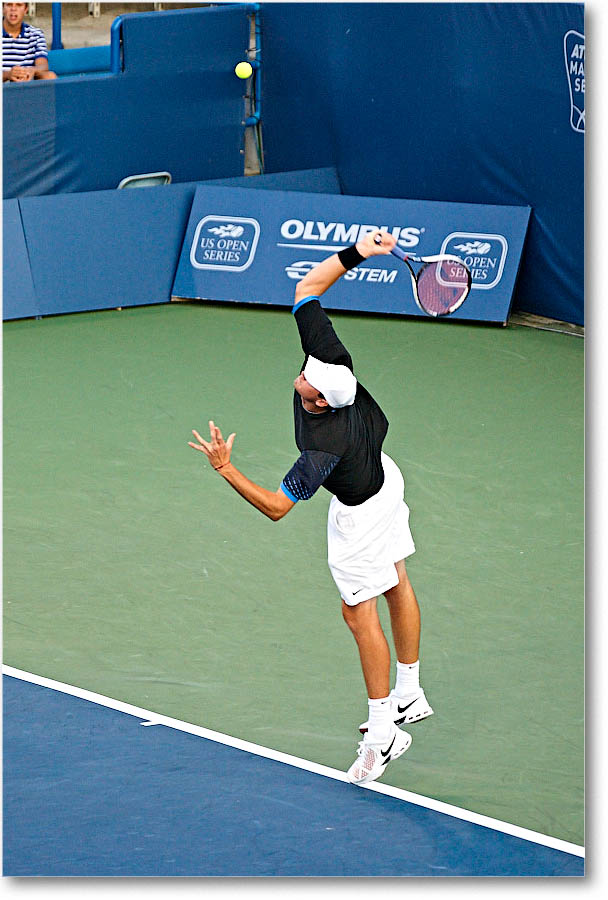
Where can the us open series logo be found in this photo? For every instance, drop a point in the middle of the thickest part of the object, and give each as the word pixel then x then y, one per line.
pixel 483 254
pixel 225 243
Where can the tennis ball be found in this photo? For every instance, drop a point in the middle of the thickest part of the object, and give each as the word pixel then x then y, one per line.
pixel 243 70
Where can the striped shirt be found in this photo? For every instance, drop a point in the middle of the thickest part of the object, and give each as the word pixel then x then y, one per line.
pixel 24 49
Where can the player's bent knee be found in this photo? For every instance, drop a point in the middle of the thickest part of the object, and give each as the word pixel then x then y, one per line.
pixel 360 617
pixel 401 570
pixel 404 581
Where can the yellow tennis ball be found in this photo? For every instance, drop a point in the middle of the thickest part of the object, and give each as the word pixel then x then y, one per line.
pixel 243 69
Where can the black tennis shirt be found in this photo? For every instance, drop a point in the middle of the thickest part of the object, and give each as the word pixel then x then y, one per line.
pixel 340 448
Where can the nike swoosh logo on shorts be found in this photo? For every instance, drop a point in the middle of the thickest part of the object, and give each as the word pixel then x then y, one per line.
pixel 386 752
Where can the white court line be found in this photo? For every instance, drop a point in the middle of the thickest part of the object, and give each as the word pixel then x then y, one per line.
pixel 152 718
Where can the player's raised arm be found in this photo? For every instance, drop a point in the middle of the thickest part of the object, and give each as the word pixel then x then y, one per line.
pixel 319 279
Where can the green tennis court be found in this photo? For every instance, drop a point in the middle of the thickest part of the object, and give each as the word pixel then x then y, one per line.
pixel 133 571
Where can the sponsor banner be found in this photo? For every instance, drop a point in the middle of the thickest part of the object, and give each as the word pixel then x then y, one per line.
pixel 574 57
pixel 254 246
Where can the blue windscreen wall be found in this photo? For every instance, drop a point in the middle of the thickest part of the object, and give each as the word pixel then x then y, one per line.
pixel 460 102
pixel 312 181
pixel 176 106
pixel 466 102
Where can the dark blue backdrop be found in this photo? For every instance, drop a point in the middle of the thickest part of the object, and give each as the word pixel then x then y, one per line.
pixel 466 102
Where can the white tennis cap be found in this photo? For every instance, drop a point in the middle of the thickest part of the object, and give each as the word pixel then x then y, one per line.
pixel 337 383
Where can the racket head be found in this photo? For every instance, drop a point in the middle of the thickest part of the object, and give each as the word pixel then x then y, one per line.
pixel 441 285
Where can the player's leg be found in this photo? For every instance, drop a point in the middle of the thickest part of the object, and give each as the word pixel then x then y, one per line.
pixel 382 742
pixel 405 616
pixel 374 652
pixel 409 701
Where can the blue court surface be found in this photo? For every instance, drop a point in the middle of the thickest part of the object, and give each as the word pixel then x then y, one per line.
pixel 91 790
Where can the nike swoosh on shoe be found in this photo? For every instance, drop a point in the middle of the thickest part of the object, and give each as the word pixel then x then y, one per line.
pixel 387 752
pixel 402 709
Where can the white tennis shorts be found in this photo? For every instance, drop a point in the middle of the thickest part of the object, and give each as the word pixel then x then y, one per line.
pixel 364 542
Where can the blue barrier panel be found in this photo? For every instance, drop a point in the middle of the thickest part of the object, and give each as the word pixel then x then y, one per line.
pixel 476 102
pixel 18 295
pixel 75 236
pixel 28 138
pixel 107 249
pixel 186 40
pixel 245 246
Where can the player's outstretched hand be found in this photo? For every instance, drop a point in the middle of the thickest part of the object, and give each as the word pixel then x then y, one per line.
pixel 367 246
pixel 217 450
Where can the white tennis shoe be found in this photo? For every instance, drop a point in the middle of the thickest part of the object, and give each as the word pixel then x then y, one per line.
pixel 406 711
pixel 372 759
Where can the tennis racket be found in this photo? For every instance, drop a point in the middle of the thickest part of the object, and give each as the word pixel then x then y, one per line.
pixel 440 285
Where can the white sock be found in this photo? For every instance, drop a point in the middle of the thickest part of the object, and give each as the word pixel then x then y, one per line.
pixel 380 720
pixel 407 683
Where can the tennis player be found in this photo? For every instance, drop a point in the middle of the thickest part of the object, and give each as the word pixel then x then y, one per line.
pixel 339 430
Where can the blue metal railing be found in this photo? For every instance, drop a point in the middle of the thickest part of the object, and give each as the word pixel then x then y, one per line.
pixel 56 17
pixel 256 65
pixel 115 46
pixel 115 37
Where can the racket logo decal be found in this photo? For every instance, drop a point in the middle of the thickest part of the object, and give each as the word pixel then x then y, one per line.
pixel 574 57
pixel 225 243
pixel 483 254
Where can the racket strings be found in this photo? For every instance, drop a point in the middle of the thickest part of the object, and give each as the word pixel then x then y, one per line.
pixel 442 286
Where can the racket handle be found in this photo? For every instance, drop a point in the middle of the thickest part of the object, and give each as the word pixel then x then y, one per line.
pixel 396 251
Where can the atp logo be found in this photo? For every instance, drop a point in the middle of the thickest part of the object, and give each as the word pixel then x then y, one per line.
pixel 484 255
pixel 574 56
pixel 225 243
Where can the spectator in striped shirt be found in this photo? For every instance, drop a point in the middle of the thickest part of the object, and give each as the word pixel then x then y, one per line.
pixel 24 50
